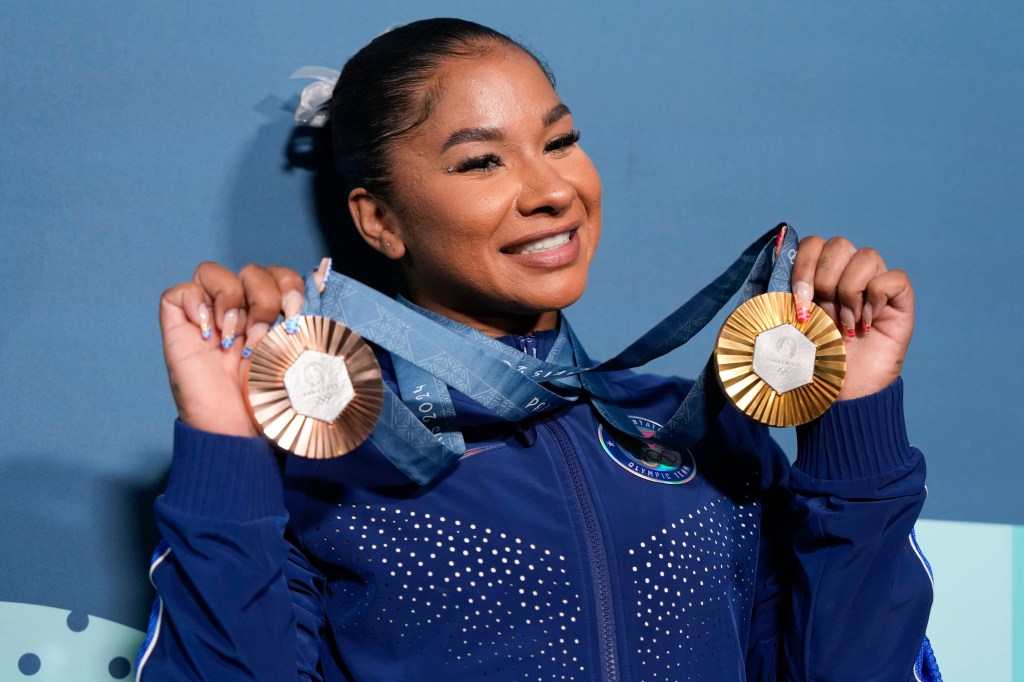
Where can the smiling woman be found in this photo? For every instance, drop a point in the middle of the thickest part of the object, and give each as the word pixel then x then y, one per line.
pixel 561 545
pixel 494 210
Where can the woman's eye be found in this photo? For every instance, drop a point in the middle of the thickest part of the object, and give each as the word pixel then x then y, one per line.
pixel 485 162
pixel 563 142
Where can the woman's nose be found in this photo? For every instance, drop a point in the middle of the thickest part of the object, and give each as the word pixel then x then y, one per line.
pixel 544 189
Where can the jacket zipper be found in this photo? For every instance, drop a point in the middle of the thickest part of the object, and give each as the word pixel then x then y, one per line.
pixel 596 552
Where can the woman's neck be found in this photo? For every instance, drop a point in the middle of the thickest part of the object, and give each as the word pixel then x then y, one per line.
pixel 497 325
pixel 508 325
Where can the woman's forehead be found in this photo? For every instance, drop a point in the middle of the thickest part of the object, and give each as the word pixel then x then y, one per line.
pixel 497 88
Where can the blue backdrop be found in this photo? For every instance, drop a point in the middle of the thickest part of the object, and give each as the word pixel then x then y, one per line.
pixel 139 139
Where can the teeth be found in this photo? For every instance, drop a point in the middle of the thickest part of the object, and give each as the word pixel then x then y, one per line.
pixel 546 244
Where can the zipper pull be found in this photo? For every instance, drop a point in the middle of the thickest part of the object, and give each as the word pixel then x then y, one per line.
pixel 527 344
pixel 526 433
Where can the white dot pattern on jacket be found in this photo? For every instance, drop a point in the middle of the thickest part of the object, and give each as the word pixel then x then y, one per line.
pixel 503 606
pixel 690 579
pixel 499 597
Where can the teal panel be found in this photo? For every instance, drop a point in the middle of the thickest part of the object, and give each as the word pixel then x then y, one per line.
pixel 44 644
pixel 972 617
pixel 1018 604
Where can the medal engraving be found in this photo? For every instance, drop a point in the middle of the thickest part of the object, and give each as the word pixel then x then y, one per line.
pixel 319 386
pixel 316 392
pixel 775 368
pixel 784 358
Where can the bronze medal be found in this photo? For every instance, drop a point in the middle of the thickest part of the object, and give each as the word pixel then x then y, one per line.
pixel 776 369
pixel 316 393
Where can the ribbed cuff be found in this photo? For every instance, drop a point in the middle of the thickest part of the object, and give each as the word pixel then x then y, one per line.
pixel 856 439
pixel 225 477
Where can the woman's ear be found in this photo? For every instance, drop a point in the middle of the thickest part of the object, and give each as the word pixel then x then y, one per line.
pixel 376 223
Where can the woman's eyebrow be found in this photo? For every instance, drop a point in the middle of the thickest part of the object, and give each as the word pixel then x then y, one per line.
pixel 464 135
pixel 556 114
pixel 472 135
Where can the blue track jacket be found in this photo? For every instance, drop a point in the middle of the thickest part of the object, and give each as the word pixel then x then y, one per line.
pixel 549 553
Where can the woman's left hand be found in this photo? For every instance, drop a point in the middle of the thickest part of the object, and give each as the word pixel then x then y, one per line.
pixel 872 306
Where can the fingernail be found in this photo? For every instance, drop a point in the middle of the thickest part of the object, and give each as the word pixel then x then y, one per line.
pixel 323 274
pixel 866 317
pixel 227 330
pixel 204 321
pixel 253 338
pixel 783 228
pixel 292 306
pixel 849 324
pixel 803 293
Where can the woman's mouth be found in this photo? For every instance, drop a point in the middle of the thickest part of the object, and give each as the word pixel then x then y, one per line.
pixel 549 251
pixel 549 243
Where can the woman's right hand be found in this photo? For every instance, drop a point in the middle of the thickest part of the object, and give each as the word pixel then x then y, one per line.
pixel 210 326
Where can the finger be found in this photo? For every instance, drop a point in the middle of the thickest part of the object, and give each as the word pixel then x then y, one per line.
pixel 890 289
pixel 186 302
pixel 807 255
pixel 262 295
pixel 834 258
pixel 224 289
pixel 292 288
pixel 863 266
pixel 263 304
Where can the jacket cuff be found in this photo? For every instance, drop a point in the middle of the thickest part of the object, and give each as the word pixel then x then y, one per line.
pixel 227 477
pixel 856 439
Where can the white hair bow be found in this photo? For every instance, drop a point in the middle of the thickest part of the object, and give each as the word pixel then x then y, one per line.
pixel 311 110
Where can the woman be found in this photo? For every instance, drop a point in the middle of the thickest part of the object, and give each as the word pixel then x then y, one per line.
pixel 539 555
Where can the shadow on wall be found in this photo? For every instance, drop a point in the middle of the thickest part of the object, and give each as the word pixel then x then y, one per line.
pixel 79 539
pixel 287 204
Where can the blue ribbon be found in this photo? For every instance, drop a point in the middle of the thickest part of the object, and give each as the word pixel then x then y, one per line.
pixel 417 429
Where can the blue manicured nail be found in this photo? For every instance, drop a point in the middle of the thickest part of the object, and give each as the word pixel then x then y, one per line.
pixel 291 325
pixel 227 342
pixel 204 321
pixel 246 352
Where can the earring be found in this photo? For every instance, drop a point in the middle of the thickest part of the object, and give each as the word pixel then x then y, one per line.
pixel 387 244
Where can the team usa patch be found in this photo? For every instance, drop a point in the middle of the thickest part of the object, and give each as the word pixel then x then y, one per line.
pixel 653 462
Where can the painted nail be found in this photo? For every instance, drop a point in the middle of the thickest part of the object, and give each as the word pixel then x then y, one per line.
pixel 292 305
pixel 803 293
pixel 866 317
pixel 253 338
pixel 227 329
pixel 204 321
pixel 323 274
pixel 849 324
pixel 783 228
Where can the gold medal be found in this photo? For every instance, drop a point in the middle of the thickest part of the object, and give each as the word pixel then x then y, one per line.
pixel 316 393
pixel 776 369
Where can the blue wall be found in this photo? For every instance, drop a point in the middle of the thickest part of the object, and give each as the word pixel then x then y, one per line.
pixel 139 139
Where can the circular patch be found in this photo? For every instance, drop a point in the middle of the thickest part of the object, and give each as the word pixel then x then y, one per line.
pixel 653 462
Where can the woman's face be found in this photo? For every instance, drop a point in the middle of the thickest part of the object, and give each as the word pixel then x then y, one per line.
pixel 497 208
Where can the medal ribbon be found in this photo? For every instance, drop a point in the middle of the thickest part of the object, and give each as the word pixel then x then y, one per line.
pixel 417 429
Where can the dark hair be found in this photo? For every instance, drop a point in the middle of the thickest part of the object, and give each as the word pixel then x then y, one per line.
pixel 380 97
